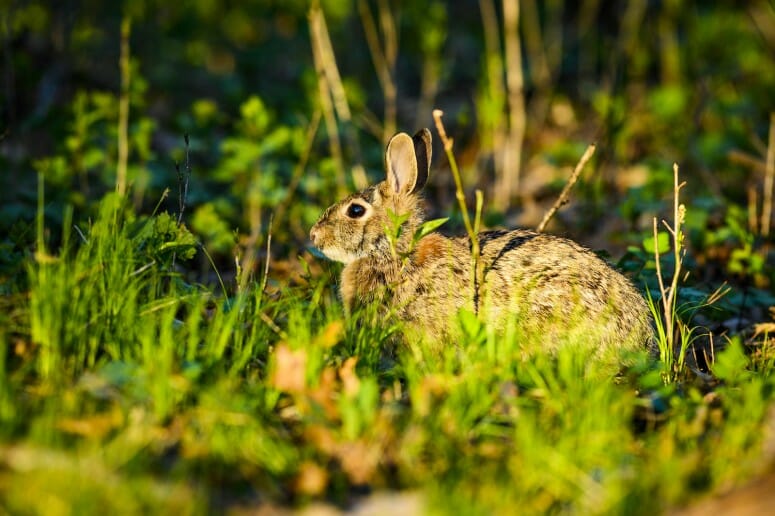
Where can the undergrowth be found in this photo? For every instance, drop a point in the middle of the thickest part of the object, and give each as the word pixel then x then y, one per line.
pixel 159 363
pixel 125 389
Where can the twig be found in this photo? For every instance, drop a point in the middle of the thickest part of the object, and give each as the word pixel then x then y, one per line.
pixel 273 325
pixel 123 108
pixel 743 158
pixel 679 213
pixel 753 210
pixel 183 179
pixel 265 279
pixel 563 198
pixel 459 193
pixel 658 262
pixel 472 230
pixel 80 234
pixel 769 178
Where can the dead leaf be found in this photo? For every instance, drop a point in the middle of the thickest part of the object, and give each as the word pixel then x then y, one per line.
pixel 764 329
pixel 290 369
pixel 359 461
pixel 325 393
pixel 321 438
pixel 311 479
pixel 349 379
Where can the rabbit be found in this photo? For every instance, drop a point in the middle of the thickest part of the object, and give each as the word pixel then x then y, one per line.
pixel 549 286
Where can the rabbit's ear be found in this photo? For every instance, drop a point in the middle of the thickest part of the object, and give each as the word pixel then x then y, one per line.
pixel 401 164
pixel 422 152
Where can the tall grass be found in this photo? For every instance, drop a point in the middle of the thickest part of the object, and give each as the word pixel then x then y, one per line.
pixel 140 393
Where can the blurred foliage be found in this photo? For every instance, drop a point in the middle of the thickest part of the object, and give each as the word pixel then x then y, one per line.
pixel 177 396
pixel 652 83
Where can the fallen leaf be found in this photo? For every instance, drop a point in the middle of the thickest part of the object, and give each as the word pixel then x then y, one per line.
pixel 349 379
pixel 311 479
pixel 290 369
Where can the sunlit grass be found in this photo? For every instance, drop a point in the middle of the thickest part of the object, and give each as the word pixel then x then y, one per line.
pixel 131 391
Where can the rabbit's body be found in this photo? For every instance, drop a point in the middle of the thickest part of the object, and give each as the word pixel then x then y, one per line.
pixel 543 283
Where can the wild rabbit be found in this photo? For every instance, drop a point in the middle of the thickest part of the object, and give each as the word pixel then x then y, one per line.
pixel 549 286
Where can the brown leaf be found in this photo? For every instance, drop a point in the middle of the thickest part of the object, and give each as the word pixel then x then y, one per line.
pixel 311 479
pixel 290 369
pixel 321 438
pixel 325 393
pixel 349 379
pixel 359 461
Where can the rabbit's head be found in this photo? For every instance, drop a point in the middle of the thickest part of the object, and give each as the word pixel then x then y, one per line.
pixel 358 226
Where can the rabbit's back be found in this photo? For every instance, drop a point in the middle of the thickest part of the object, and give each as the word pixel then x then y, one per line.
pixel 542 283
pixel 540 278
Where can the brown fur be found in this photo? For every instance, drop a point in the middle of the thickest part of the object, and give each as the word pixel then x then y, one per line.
pixel 544 283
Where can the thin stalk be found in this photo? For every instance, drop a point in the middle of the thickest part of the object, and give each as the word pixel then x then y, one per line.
pixel 563 198
pixel 679 212
pixel 184 177
pixel 265 277
pixel 471 229
pixel 123 108
pixel 670 294
pixel 339 97
pixel 769 179
pixel 40 251
pixel 753 211
pixel 668 319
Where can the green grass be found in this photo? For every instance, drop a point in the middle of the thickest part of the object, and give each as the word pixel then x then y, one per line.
pixel 125 390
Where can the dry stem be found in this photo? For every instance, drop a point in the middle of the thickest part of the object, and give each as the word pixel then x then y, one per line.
pixel 769 176
pixel 472 230
pixel 324 89
pixel 669 298
pixel 563 198
pixel 336 88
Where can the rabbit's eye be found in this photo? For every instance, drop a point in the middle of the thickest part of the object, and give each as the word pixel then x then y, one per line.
pixel 355 211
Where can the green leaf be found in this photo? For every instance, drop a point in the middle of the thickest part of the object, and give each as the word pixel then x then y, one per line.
pixel 429 227
pixel 663 243
pixel 397 220
pixel 732 363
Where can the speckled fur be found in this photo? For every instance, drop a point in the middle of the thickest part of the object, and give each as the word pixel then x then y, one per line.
pixel 542 282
